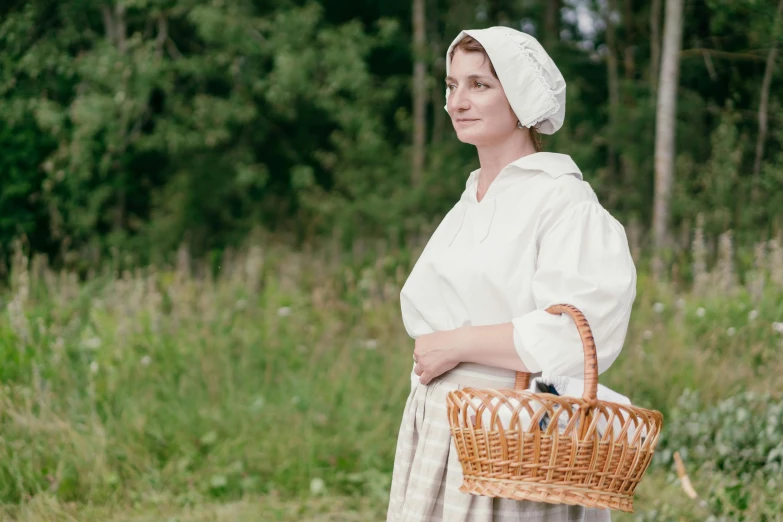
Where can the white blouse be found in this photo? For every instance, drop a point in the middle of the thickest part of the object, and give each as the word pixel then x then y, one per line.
pixel 538 237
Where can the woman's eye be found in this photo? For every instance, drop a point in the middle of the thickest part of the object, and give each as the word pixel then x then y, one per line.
pixel 480 84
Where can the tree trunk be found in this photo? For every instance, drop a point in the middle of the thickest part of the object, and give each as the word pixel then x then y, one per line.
pixel 119 27
pixel 438 97
pixel 655 44
pixel 628 100
pixel 108 24
pixel 116 33
pixel 438 90
pixel 764 102
pixel 613 82
pixel 552 25
pixel 419 91
pixel 665 124
pixel 628 24
pixel 163 35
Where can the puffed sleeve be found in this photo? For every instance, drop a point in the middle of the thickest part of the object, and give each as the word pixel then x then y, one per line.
pixel 583 260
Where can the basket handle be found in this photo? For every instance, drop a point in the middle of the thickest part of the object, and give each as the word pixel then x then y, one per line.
pixel 588 344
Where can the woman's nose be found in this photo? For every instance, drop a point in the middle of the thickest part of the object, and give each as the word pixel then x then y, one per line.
pixel 458 99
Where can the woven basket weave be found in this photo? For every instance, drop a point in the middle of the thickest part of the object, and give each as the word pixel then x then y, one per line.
pixel 578 451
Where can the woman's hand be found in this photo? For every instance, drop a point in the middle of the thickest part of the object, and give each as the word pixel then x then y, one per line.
pixel 438 352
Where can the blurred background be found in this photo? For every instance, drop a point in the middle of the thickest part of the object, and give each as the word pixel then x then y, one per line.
pixel 208 208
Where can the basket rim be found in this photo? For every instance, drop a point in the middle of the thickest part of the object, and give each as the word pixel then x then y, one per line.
pixel 457 396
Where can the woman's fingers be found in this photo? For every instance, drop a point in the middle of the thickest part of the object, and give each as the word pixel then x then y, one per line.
pixel 419 370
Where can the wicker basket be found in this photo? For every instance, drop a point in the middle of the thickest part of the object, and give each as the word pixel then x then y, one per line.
pixel 555 449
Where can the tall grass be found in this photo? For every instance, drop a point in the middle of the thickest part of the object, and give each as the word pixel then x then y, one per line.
pixel 282 374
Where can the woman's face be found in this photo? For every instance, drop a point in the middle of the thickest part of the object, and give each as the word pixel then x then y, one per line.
pixel 477 104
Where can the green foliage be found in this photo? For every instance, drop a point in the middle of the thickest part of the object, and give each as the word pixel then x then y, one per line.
pixel 137 124
pixel 129 128
pixel 738 436
pixel 22 209
pixel 734 454
pixel 184 386
pixel 175 119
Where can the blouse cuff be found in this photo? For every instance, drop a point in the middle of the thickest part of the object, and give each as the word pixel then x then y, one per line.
pixel 548 343
pixel 526 342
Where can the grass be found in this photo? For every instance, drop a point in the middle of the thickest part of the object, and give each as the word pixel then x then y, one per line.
pixel 330 508
pixel 272 388
pixel 46 508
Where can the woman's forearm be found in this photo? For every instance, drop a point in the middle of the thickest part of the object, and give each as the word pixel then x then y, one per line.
pixel 492 345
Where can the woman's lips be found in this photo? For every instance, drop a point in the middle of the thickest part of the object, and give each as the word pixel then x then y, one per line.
pixel 465 122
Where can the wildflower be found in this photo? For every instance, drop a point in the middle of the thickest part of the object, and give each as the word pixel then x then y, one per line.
pixel 725 265
pixel 371 344
pixel 680 303
pixel 284 311
pixel 731 331
pixel 778 327
pixel 658 308
pixel 241 304
pixel 94 367
pixel 209 438
pixel 317 486
pixel 699 256
pixel 647 335
pixel 775 263
pixel 258 403
pixel 700 312
pixel 93 343
pixel 753 315
pixel 146 360
pixel 218 481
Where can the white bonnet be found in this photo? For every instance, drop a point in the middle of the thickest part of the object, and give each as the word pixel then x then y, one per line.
pixel 533 84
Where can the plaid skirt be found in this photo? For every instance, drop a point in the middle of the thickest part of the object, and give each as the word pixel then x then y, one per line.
pixel 427 473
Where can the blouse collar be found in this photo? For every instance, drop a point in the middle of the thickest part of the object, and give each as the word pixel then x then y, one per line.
pixel 552 163
pixel 518 171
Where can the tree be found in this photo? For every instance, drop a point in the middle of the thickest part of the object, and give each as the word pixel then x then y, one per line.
pixel 765 84
pixel 419 90
pixel 665 125
pixel 655 43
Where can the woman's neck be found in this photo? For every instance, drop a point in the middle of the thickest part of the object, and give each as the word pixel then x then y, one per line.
pixel 493 158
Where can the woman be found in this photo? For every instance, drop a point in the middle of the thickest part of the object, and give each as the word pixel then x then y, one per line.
pixel 527 233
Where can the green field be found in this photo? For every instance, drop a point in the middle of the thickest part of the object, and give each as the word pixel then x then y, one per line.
pixel 269 385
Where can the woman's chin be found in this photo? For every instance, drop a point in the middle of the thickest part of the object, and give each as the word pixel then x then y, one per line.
pixel 482 136
pixel 469 137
